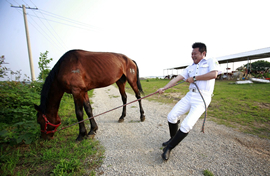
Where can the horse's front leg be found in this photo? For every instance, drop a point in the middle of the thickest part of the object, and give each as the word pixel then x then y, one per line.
pixel 88 110
pixel 79 114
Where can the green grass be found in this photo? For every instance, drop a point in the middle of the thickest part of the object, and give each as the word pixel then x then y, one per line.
pixel 244 107
pixel 60 156
pixel 207 173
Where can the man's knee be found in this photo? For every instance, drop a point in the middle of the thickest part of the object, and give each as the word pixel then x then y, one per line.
pixel 187 125
pixel 172 118
pixel 185 128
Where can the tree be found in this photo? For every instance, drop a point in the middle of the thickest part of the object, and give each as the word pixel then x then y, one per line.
pixel 260 65
pixel 257 66
pixel 43 65
pixel 259 69
pixel 3 70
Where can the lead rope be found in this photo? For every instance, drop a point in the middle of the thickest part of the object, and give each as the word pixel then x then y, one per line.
pixel 138 100
pixel 205 114
pixel 119 106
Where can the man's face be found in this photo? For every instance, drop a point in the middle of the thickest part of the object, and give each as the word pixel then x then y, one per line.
pixel 197 56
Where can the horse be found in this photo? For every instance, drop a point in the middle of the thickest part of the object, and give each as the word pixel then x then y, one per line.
pixel 77 72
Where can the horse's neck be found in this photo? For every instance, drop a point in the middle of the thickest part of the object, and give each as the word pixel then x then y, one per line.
pixel 53 101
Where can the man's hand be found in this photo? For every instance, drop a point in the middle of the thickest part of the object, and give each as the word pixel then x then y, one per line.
pixel 190 80
pixel 161 90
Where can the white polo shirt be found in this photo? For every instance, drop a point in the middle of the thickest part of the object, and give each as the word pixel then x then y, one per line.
pixel 204 66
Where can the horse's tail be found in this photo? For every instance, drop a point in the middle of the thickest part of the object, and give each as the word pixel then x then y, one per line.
pixel 138 79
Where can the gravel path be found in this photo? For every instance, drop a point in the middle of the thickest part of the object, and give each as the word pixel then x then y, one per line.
pixel 134 147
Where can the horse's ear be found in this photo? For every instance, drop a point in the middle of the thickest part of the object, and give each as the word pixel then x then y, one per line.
pixel 37 108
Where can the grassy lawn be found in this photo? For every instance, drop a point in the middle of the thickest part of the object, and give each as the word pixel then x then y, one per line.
pixel 60 156
pixel 244 107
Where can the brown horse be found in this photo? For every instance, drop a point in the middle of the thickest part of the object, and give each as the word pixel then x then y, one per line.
pixel 78 71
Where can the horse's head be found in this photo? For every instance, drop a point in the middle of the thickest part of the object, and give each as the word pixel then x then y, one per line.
pixel 48 124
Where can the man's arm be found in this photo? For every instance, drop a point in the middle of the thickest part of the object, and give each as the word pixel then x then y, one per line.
pixel 171 83
pixel 211 75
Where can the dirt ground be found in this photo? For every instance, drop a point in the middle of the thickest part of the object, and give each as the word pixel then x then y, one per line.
pixel 134 147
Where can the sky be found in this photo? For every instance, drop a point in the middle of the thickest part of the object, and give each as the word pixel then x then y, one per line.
pixel 156 34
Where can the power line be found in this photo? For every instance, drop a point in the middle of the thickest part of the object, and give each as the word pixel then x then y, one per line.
pixel 61 44
pixel 74 23
pixel 9 2
pixel 47 38
pixel 54 31
pixel 24 7
pixel 66 24
pixel 50 26
pixel 16 2
pixel 42 33
pixel 78 23
pixel 68 19
pixel 26 3
pixel 33 3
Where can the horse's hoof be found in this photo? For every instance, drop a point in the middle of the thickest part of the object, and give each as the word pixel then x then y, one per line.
pixel 142 118
pixel 121 120
pixel 82 137
pixel 79 138
pixel 91 135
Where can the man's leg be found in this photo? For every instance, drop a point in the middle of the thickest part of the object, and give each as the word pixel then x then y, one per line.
pixel 173 127
pixel 173 143
pixel 196 110
pixel 180 108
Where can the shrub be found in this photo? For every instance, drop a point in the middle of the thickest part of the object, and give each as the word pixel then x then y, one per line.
pixel 17 113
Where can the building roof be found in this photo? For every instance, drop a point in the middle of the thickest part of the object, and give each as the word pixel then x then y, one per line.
pixel 249 55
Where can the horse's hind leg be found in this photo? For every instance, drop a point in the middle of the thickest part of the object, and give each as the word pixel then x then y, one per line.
pixel 141 108
pixel 88 110
pixel 121 85
pixel 138 96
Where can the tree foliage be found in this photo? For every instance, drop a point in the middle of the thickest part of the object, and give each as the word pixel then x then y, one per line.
pixel 260 65
pixel 3 70
pixel 43 65
pixel 18 122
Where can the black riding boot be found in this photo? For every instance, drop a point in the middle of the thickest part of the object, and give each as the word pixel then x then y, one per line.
pixel 174 142
pixel 173 130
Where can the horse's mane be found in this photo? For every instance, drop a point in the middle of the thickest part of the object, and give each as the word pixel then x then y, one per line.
pixel 48 82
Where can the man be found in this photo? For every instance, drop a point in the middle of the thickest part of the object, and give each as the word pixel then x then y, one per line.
pixel 202 72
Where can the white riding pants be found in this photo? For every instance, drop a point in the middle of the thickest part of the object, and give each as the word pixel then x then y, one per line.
pixel 193 103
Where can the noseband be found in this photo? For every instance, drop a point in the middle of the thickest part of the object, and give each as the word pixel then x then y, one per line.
pixel 49 123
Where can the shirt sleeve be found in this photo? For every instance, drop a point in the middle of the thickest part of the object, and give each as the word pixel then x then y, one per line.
pixel 185 73
pixel 214 65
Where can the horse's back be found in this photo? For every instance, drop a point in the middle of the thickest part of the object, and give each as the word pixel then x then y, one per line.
pixel 90 70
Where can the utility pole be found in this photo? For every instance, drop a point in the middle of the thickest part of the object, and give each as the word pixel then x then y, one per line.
pixel 28 39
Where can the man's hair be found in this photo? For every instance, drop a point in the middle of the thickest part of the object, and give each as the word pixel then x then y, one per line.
pixel 201 46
